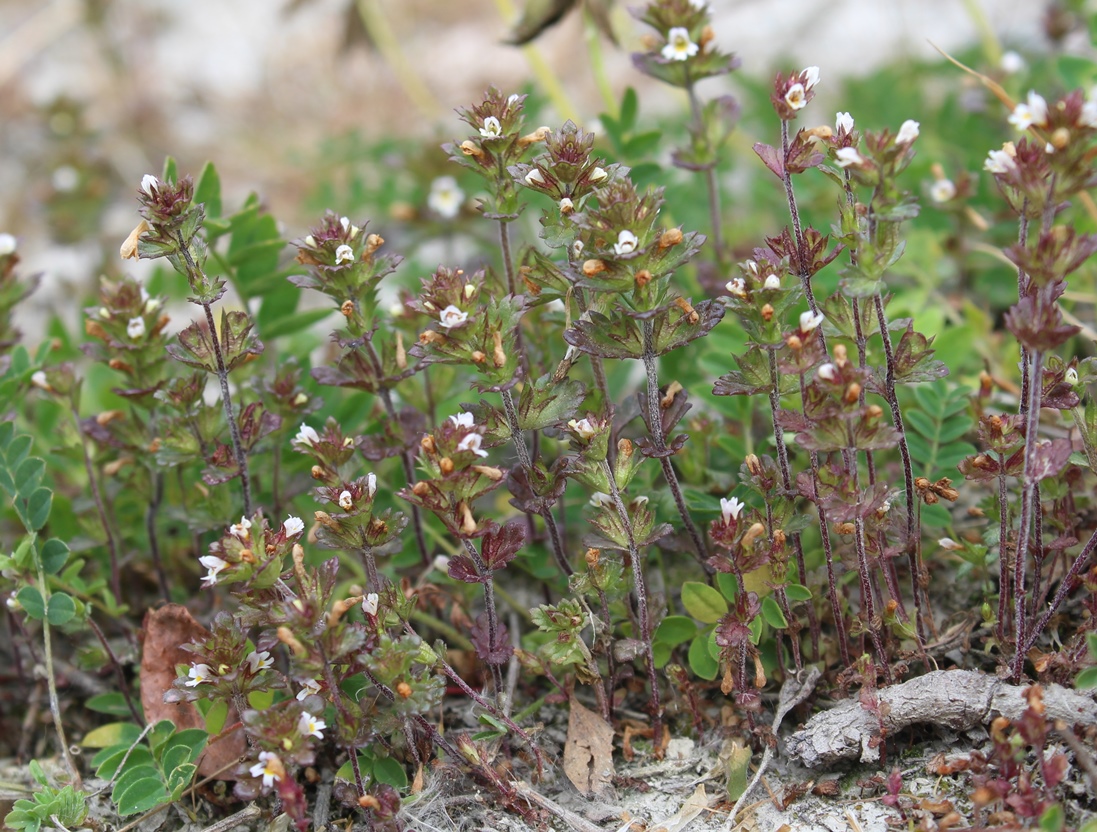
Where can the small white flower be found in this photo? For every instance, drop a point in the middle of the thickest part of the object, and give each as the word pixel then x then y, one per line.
pixel 1031 111
pixel 600 498
pixel 306 436
pixel 39 380
pixel 269 768
pixel 885 507
pixel 700 5
pixel 241 530
pixel 310 241
pixel 749 266
pixel 737 286
pixel 1011 62
pixel 441 563
pixel 848 156
pixel 104 314
pixel 843 123
pixel 534 177
pixel 950 544
pixel 471 442
pixel 430 307
pixel 730 509
pixel 445 198
pixel 597 175
pixel 8 244
pixel 293 526
pixel 583 428
pixel 492 129
pixel 772 282
pixel 198 674
pixel 1071 376
pixel 135 329
pixel 796 97
pixel 215 565
pixel 809 322
pixel 259 661
pixel 512 99
pixel 344 254
pixel 309 687
pixel 151 304
pixel 999 161
pixel 1049 148
pixel 470 290
pixel 369 605
pixel 451 317
pixel 371 484
pixel 346 501
pixel 566 205
pixel 464 419
pixel 942 190
pixel 1088 116
pixel 826 372
pixel 577 247
pixel 908 132
pixel 811 77
pixel 679 46
pixel 149 184
pixel 311 726
pixel 348 227
pixel 626 243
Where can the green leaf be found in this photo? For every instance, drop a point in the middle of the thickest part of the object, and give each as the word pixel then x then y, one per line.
pixel 38 508
pixel 28 476
pixel 703 602
pixel 798 592
pixel 115 733
pixel 738 769
pixel 180 779
pixel 141 796
pixel 700 662
pixel 1052 819
pixel 387 770
pixel 171 171
pixel 675 629
pixel 772 613
pixel 1087 679
pixel 108 703
pixel 54 554
pixel 192 741
pixel 60 609
pixel 208 190
pixel 292 323
pixel 1091 644
pixel 729 586
pixel 107 761
pixel 32 602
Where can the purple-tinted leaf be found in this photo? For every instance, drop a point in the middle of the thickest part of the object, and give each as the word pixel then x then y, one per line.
pixel 497 653
pixel 461 568
pixel 771 159
pixel 500 546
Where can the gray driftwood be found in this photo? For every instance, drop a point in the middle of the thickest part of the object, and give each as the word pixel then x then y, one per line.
pixel 956 699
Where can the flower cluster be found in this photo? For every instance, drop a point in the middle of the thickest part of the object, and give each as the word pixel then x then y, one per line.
pixel 684 49
pixel 251 552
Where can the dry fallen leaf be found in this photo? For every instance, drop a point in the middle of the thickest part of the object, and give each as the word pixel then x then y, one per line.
pixel 695 804
pixel 588 752
pixel 165 631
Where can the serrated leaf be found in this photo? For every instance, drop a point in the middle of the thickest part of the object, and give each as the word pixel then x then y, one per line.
pixel 703 602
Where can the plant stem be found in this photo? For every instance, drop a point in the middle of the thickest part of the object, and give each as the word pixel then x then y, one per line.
pixel 493 615
pixel 223 376
pixel 911 543
pixel 1065 586
pixel 100 509
pixel 527 465
pixel 51 680
pixel 794 214
pixel 641 603
pixel 655 421
pixel 1028 490
pixel 151 513
pixel 123 685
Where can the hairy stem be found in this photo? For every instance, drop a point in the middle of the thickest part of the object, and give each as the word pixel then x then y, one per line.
pixel 711 185
pixel 196 276
pixel 493 615
pixel 101 511
pixel 527 465
pixel 655 421
pixel 641 603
